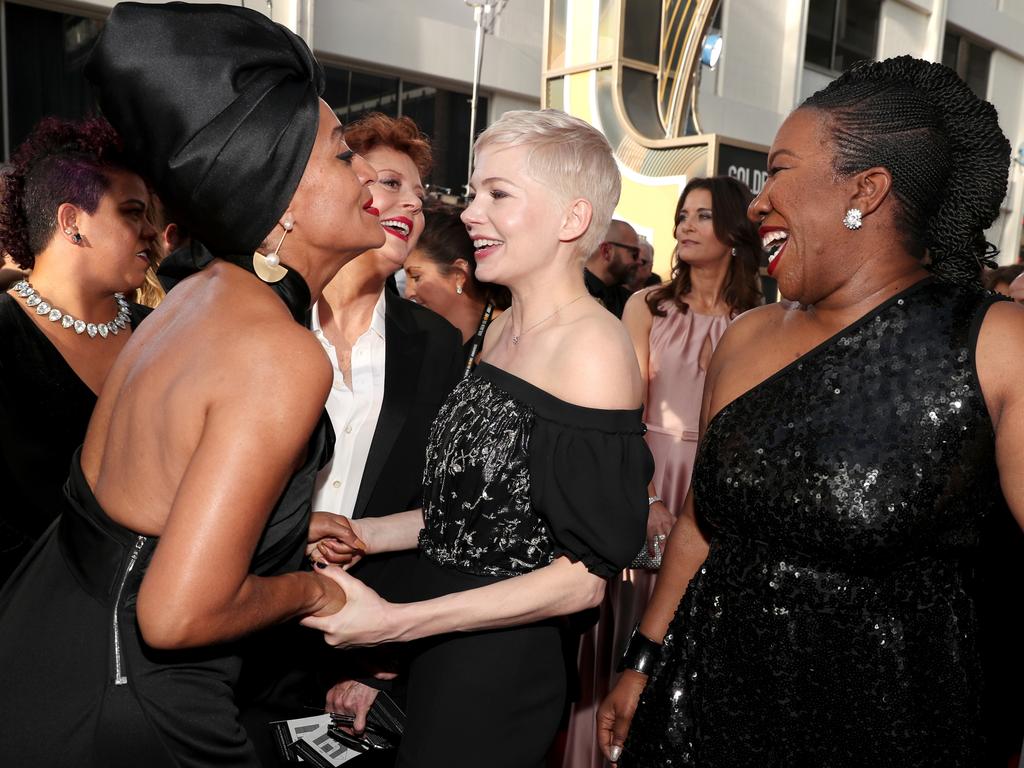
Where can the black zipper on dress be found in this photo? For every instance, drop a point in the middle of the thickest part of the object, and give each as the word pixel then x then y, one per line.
pixel 119 677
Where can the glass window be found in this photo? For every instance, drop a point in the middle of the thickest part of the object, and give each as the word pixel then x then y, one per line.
pixel 970 60
pixel 354 94
pixel 50 81
pixel 556 33
pixel 641 38
pixel 442 115
pixel 841 32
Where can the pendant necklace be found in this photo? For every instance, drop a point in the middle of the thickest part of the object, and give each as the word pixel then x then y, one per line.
pixel 42 307
pixel 518 336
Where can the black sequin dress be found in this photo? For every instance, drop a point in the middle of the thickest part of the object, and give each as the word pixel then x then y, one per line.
pixel 832 622
pixel 514 479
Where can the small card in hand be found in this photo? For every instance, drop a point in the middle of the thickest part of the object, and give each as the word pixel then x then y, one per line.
pixel 322 742
pixel 308 739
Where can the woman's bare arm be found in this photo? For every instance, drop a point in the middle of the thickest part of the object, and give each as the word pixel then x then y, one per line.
pixel 1000 363
pixel 198 589
pixel 558 589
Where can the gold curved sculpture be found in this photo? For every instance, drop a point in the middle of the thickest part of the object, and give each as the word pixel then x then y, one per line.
pixel 627 67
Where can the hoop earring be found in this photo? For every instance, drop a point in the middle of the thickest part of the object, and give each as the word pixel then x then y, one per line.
pixel 268 266
pixel 853 219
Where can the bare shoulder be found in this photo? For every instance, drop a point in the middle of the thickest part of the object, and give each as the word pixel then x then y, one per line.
pixel 637 312
pixel 750 327
pixel 285 368
pixel 596 364
pixel 739 360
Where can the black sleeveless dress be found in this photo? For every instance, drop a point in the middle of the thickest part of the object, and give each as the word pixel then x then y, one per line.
pixel 514 479
pixel 832 623
pixel 78 684
pixel 35 454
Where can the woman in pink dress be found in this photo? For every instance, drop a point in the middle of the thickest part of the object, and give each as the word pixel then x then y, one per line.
pixel 674 328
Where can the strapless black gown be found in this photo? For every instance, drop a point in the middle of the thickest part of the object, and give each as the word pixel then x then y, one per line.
pixel 833 622
pixel 81 687
pixel 78 684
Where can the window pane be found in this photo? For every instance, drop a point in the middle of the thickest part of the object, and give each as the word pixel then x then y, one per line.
pixel 556 93
pixel 642 30
pixel 976 71
pixel 950 48
pixel 607 30
pixel 354 94
pixel 556 34
pixel 444 117
pixel 821 19
pixel 49 81
pixel 858 32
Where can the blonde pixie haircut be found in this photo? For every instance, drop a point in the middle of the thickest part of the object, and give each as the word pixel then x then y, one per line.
pixel 569 156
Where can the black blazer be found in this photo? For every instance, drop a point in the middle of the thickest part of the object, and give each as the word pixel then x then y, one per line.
pixel 423 362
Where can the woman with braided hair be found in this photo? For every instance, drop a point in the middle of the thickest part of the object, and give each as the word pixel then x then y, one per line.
pixel 854 442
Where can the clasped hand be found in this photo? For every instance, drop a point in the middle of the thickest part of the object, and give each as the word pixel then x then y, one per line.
pixel 365 620
pixel 334 539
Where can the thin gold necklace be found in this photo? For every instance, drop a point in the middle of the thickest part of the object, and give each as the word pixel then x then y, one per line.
pixel 518 336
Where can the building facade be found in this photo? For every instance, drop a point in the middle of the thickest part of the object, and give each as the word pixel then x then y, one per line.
pixel 615 63
pixel 415 57
pixel 400 57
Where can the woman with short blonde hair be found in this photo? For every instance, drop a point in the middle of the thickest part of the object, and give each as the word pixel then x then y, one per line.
pixel 535 485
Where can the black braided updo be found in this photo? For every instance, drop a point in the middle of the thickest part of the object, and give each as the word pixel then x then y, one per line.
pixel 948 157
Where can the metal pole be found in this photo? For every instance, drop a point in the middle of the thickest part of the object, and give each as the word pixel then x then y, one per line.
pixel 478 58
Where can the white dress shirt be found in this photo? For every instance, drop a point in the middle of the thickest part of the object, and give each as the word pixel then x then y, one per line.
pixel 354 414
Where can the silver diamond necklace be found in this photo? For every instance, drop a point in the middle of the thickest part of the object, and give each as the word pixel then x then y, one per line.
pixel 518 336
pixel 42 307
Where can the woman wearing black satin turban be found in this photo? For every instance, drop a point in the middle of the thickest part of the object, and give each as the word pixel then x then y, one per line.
pixel 187 509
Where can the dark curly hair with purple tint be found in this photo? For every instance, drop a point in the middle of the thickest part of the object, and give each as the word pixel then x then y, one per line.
pixel 61 161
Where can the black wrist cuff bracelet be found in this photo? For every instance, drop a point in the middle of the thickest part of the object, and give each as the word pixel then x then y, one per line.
pixel 641 654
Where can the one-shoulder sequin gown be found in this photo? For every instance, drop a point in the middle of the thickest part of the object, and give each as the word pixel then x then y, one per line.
pixel 832 623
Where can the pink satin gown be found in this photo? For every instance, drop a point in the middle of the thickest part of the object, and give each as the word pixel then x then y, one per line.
pixel 680 350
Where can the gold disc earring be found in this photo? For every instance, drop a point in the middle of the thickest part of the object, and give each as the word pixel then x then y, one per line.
pixel 268 266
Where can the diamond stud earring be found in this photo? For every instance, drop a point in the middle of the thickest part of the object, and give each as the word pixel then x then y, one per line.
pixel 853 219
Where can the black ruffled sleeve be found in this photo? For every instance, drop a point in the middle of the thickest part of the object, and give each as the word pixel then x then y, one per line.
pixel 590 470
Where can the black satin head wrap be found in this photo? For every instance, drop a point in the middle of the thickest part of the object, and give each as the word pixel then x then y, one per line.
pixel 217 105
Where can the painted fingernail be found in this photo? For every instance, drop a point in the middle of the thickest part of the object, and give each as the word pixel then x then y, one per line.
pixel 615 753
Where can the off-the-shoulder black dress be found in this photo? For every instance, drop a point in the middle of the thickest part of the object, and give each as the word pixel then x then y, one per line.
pixel 514 479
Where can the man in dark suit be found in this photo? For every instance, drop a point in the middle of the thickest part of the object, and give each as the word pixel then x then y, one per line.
pixel 423 364
pixel 612 266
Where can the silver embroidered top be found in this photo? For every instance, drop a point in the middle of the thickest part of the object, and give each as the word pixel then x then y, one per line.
pixel 516 478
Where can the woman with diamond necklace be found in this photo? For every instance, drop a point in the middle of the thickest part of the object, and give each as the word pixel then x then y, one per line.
pixel 536 475
pixel 74 215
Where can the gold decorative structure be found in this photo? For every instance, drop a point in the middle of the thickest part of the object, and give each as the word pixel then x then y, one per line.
pixel 628 68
